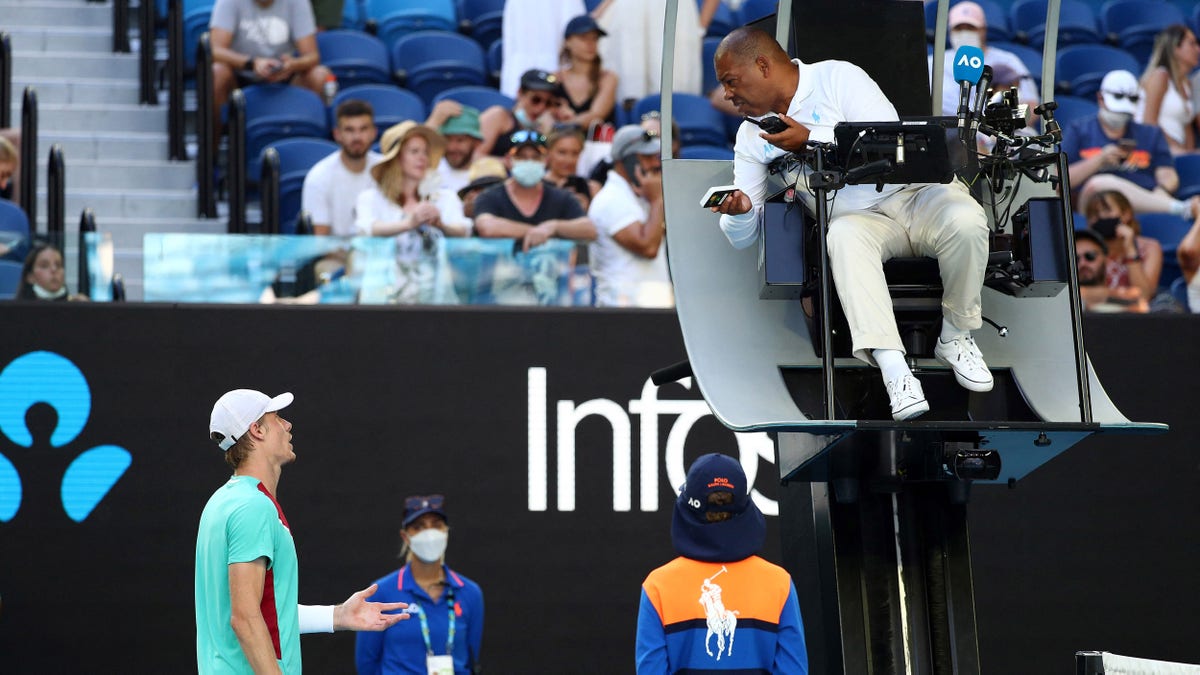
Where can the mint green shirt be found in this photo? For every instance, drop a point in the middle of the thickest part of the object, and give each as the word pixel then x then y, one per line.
pixel 241 523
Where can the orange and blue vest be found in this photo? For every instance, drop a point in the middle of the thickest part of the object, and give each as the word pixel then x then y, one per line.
pixel 713 617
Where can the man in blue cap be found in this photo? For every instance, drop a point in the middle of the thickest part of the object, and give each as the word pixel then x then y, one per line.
pixel 719 606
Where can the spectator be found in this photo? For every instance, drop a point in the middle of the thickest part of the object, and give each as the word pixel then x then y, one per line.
pixel 693 607
pixel 333 184
pixel 564 146
pixel 525 207
pixel 1091 259
pixel 968 27
pixel 253 42
pixel 10 159
pixel 486 172
pixel 1167 99
pixel 534 109
pixel 1189 262
pixel 627 257
pixel 590 90
pixel 651 122
pixel 531 29
pixel 1133 260
pixel 447 606
pixel 459 125
pixel 43 276
pixel 408 203
pixel 635 51
pixel 1112 152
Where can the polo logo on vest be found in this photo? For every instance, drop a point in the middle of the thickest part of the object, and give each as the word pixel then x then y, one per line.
pixel 722 623
pixel 50 379
pixel 752 447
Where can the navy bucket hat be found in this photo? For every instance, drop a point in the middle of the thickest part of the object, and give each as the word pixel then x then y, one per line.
pixel 717 538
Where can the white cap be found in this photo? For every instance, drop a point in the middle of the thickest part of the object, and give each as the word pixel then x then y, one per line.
pixel 234 412
pixel 1120 82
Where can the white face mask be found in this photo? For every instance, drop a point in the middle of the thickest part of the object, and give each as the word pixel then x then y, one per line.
pixel 429 545
pixel 528 172
pixel 967 38
pixel 1114 120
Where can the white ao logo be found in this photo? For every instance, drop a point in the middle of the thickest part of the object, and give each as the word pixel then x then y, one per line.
pixel 970 61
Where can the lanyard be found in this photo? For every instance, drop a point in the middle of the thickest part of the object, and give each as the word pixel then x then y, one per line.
pixel 421 614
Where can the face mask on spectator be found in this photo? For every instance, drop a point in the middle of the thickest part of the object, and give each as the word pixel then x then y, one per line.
pixel 523 118
pixel 1115 120
pixel 429 545
pixel 44 294
pixel 528 172
pixel 967 38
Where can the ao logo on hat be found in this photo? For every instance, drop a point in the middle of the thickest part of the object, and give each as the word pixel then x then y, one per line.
pixel 51 379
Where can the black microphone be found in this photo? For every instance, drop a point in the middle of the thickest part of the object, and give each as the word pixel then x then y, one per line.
pixel 985 81
pixel 968 67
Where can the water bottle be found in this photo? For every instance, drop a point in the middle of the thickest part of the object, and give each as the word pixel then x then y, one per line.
pixel 330 89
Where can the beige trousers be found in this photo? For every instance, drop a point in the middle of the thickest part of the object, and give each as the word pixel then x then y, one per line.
pixel 938 221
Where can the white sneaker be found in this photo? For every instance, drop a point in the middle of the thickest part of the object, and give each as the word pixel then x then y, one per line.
pixel 966 361
pixel 908 399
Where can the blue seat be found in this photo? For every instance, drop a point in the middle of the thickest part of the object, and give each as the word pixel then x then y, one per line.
pixel 1071 108
pixel 723 22
pixel 699 122
pixel 1076 23
pixel 278 111
pixel 1168 229
pixel 10 278
pixel 1188 168
pixel 482 20
pixel 1032 58
pixel 354 14
pixel 480 98
pixel 430 61
pixel 1179 292
pixel 495 61
pixel 397 18
pixel 392 104
pixel 753 10
pixel 196 16
pixel 707 51
pixel 13 219
pixel 1133 24
pixel 296 157
pixel 997 19
pixel 354 57
pixel 1079 68
pixel 721 152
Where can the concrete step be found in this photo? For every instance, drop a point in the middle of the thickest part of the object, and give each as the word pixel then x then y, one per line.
pixel 88 145
pixel 137 174
pixel 101 117
pixel 55 37
pixel 56 13
pixel 165 205
pixel 82 64
pixel 63 90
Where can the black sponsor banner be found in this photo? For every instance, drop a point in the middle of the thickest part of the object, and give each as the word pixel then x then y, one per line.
pixel 557 460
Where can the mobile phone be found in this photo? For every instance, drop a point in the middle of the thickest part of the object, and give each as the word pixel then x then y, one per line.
pixel 770 124
pixel 1127 143
pixel 717 195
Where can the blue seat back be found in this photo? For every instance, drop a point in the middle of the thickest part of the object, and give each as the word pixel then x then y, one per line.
pixel 1076 22
pixel 699 123
pixel 1168 229
pixel 196 16
pixel 495 60
pixel 278 111
pixel 1032 58
pixel 431 61
pixel 10 278
pixel 707 51
pixel 721 152
pixel 1079 68
pixel 1071 108
pixel 354 57
pixel 480 98
pixel 482 20
pixel 1132 19
pixel 753 10
pixel 354 14
pixel 1188 168
pixel 1180 293
pixel 296 157
pixel 392 104
pixel 397 18
pixel 723 22
pixel 13 219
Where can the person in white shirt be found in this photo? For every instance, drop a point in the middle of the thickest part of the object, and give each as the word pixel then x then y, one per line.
pixel 333 184
pixel 866 226
pixel 627 257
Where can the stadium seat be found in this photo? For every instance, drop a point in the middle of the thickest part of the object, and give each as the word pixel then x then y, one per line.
pixel 723 22
pixel 997 18
pixel 278 111
pixel 13 219
pixel 495 61
pixel 481 19
pixel 753 10
pixel 392 104
pixel 10 278
pixel 354 14
pixel 480 98
pixel 1133 24
pixel 296 157
pixel 396 18
pixel 1168 229
pixel 1032 58
pixel 706 62
pixel 1079 68
pixel 699 122
pixel 1071 108
pixel 722 152
pixel 354 57
pixel 430 61
pixel 196 16
pixel 1179 292
pixel 1076 23
pixel 1188 168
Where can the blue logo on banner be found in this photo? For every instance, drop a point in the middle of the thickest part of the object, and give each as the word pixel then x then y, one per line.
pixel 46 377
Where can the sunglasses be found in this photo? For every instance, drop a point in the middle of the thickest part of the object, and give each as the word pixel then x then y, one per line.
pixel 419 503
pixel 1133 98
pixel 1090 256
pixel 527 136
pixel 652 115
pixel 541 100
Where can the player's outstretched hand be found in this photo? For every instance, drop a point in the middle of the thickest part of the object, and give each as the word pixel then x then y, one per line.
pixel 791 139
pixel 358 614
